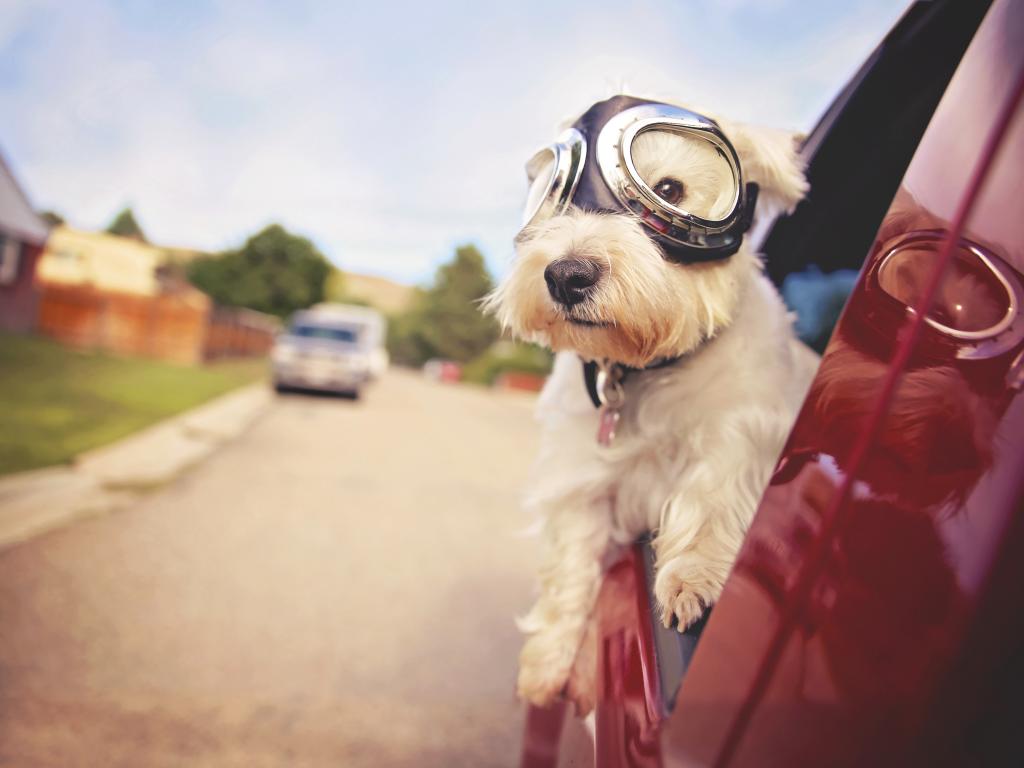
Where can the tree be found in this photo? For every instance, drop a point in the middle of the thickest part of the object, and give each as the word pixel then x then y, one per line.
pixel 52 218
pixel 125 225
pixel 445 319
pixel 275 271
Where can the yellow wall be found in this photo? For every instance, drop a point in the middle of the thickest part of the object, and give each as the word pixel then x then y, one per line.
pixel 106 262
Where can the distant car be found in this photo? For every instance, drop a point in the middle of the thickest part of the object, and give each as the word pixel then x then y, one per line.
pixel 447 371
pixel 330 347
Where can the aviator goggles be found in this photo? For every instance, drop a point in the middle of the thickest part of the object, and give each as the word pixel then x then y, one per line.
pixel 595 167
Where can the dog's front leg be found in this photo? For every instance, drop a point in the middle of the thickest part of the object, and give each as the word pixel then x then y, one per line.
pixel 703 524
pixel 577 538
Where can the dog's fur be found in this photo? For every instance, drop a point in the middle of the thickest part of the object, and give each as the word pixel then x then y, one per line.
pixel 697 439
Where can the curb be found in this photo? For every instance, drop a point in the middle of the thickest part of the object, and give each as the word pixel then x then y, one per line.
pixel 113 476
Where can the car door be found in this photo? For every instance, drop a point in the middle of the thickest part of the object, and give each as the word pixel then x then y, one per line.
pixel 875 616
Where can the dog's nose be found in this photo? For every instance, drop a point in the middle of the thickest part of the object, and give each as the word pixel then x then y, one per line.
pixel 571 279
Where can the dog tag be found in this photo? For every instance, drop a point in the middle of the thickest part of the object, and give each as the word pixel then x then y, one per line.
pixel 609 422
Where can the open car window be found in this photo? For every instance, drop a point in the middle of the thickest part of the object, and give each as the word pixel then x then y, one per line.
pixel 857 155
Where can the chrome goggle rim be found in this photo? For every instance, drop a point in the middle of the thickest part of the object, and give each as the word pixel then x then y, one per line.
pixel 616 163
pixel 570 153
pixel 987 342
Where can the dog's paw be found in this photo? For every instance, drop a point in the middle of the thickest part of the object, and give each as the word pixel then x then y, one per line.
pixel 544 665
pixel 678 600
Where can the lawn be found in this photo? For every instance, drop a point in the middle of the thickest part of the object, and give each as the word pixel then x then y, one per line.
pixel 56 402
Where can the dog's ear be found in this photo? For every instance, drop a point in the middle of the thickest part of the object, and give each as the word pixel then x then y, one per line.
pixel 769 158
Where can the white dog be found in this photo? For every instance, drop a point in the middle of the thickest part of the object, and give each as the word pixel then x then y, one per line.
pixel 696 438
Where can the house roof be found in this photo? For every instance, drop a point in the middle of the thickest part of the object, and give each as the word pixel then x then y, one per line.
pixel 17 217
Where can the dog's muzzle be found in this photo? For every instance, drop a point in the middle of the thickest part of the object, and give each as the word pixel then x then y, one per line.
pixel 591 167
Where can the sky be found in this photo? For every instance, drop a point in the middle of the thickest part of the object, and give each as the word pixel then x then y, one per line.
pixel 386 132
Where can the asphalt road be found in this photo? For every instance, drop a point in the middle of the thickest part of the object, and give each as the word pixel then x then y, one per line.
pixel 334 588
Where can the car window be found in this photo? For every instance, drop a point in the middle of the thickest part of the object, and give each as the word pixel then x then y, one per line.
pixel 856 157
pixel 348 334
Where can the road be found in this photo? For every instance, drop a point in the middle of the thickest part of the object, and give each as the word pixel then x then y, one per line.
pixel 334 588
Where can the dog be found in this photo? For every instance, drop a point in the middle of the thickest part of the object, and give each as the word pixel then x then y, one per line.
pixel 716 378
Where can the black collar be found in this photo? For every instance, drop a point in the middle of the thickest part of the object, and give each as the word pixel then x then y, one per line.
pixel 590 374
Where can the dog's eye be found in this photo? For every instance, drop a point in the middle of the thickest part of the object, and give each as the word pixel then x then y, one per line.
pixel 669 190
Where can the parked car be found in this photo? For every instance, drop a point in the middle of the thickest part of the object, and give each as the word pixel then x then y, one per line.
pixel 446 371
pixel 875 614
pixel 330 347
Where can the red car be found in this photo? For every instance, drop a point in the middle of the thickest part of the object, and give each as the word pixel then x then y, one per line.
pixel 875 615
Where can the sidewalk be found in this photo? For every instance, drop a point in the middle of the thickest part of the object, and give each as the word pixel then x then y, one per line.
pixel 111 477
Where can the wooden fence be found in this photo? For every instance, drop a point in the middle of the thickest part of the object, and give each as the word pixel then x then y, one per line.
pixel 231 332
pixel 182 326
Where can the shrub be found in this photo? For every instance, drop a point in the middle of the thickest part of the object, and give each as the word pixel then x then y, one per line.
pixel 506 357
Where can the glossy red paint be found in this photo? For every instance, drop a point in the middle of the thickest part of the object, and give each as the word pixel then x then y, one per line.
pixel 628 709
pixel 542 735
pixel 888 530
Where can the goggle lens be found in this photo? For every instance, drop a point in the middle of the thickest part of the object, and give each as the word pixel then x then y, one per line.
pixel 685 171
pixel 553 173
pixel 541 173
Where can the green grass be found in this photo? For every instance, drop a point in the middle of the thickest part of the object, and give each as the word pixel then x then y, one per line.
pixel 56 402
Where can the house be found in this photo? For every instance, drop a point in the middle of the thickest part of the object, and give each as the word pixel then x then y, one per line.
pixel 123 295
pixel 101 261
pixel 22 238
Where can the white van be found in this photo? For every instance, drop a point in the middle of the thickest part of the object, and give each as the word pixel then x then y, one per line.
pixel 332 347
